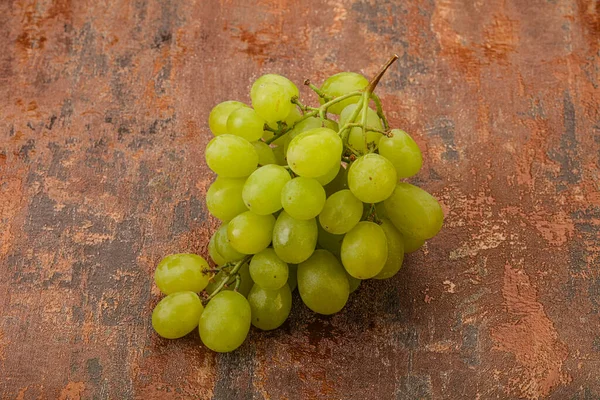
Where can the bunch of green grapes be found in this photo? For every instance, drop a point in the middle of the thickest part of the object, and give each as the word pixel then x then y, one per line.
pixel 309 198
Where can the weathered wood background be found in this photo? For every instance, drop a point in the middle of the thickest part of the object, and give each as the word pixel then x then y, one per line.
pixel 103 123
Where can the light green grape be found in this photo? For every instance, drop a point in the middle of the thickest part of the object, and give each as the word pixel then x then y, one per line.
pixel 294 240
pixel 246 123
pixel 340 182
pixel 288 85
pixel 414 212
pixel 341 212
pixel 293 117
pixel 292 276
pixel 303 198
pixel 181 272
pixel 329 176
pixel 213 252
pixel 268 271
pixel 403 152
pixel 411 244
pixel 279 153
pixel 372 178
pixel 315 152
pixel 231 156
pixel 270 308
pixel 225 322
pixel 312 123
pixel 271 100
pixel 322 283
pixel 262 191
pixel 250 233
pixel 395 245
pixel 341 84
pixel 177 314
pixel 356 138
pixel 329 241
pixel 224 198
pixel 364 250
pixel 217 120
pixel 246 281
pixel 223 245
pixel 265 153
pixel 353 282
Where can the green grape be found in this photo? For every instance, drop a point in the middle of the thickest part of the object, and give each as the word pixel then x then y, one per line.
pixel 270 308
pixel 246 281
pixel 224 198
pixel 267 135
pixel 262 191
pixel 293 117
pixel 279 153
pixel 313 153
pixel 364 250
pixel 353 282
pixel 292 276
pixel 340 182
pixel 274 78
pixel 341 84
pixel 213 252
pixel 271 100
pixel 250 233
pixel 312 123
pixel 303 198
pixel 356 138
pixel 246 123
pixel 341 212
pixel 294 240
pixel 372 178
pixel 411 244
pixel 414 212
pixel 395 245
pixel 223 245
pixel 329 241
pixel 265 153
pixel 268 270
pixel 322 283
pixel 282 140
pixel 181 272
pixel 403 152
pixel 231 156
pixel 177 314
pixel 225 322
pixel 217 120
pixel 329 176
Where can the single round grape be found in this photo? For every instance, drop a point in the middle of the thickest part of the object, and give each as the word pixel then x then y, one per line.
pixel 213 252
pixel 262 191
pixel 341 84
pixel 294 240
pixel 293 276
pixel 356 138
pixel 231 156
pixel 341 212
pixel 246 281
pixel 217 120
pixel 414 212
pixel 271 100
pixel 364 250
pixel 322 283
pixel 353 282
pixel 268 270
pixel 246 123
pixel 250 233
pixel 315 152
pixel 403 152
pixel 223 245
pixel 395 245
pixel 340 182
pixel 411 244
pixel 303 198
pixel 372 178
pixel 275 78
pixel 279 153
pixel 329 176
pixel 270 308
pixel 177 314
pixel 181 272
pixel 329 241
pixel 310 123
pixel 265 153
pixel 225 322
pixel 224 198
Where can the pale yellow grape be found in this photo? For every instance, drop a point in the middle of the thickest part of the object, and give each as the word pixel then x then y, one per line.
pixel 315 152
pixel 364 250
pixel 294 240
pixel 223 245
pixel 246 123
pixel 340 84
pixel 177 314
pixel 341 212
pixel 372 178
pixel 265 153
pixel 270 307
pixel 303 198
pixel 262 190
pixel 250 233
pixel 225 322
pixel 403 152
pixel 231 156
pixel 224 198
pixel 217 120
pixel 182 272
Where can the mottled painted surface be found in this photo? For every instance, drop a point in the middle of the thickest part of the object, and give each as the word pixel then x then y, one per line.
pixel 103 108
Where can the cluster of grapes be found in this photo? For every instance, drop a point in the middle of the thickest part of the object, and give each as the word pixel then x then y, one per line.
pixel 306 200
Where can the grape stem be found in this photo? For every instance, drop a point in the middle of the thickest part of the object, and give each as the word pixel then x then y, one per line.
pixel 380 112
pixel 238 281
pixel 303 107
pixel 373 83
pixel 368 128
pixel 372 215
pixel 234 271
pixel 315 89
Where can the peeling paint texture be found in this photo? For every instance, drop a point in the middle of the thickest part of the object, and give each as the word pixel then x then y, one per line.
pixel 103 110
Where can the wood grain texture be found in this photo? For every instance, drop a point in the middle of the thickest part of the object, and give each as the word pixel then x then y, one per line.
pixel 103 124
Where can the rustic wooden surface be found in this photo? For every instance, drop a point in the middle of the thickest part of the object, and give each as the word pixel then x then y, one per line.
pixel 103 123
